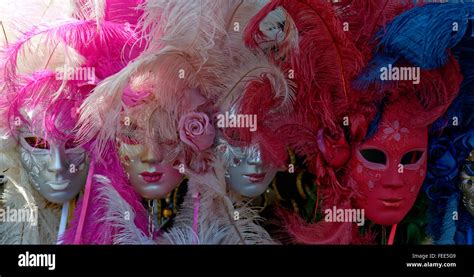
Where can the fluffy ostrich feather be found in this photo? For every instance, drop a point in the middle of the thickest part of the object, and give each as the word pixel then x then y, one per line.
pixel 419 35
pixel 192 25
pixel 113 205
pixel 448 227
pixel 83 36
pixel 183 50
pixel 120 11
pixel 324 83
pixel 261 89
pixel 238 15
pixel 301 232
pixel 253 69
pixel 444 192
pixel 365 19
pixel 90 9
pixel 401 43
pixel 100 112
pixel 273 32
pixel 100 46
pixel 17 17
pixel 120 215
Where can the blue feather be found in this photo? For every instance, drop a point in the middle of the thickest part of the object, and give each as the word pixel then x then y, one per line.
pixel 448 227
pixel 371 73
pixel 373 126
pixel 424 34
pixel 463 106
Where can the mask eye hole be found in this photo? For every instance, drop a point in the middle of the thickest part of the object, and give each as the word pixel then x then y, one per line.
pixel 129 134
pixel 236 161
pixel 411 157
pixel 37 142
pixel 374 156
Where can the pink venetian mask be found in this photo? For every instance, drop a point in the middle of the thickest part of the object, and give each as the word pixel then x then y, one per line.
pixel 388 169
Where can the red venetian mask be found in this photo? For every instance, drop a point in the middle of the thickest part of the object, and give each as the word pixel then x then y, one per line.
pixel 388 169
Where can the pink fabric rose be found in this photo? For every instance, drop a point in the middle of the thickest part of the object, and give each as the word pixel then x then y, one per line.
pixel 196 131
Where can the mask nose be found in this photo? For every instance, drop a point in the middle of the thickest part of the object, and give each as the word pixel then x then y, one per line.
pixel 255 156
pixel 57 163
pixel 150 156
pixel 393 179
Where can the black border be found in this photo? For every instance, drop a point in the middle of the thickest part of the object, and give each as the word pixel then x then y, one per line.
pixel 234 258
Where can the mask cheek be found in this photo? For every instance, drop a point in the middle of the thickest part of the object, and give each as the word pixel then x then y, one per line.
pixel 34 165
pixel 413 177
pixel 78 169
pixel 413 180
pixel 365 180
pixel 133 170
pixel 171 180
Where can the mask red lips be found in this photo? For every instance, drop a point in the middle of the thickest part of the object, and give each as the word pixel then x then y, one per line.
pixel 151 177
pixel 256 177
pixel 392 202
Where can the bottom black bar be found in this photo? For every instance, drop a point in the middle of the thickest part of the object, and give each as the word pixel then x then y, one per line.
pixel 396 259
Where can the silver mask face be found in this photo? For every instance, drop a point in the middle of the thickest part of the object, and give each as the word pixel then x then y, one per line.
pixel 467 180
pixel 246 171
pixel 149 174
pixel 57 169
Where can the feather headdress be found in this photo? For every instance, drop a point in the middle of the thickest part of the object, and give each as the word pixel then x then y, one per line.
pixel 256 88
pixel 336 97
pixel 323 65
pixel 174 77
pixel 39 88
pixel 449 26
pixel 364 19
pixel 440 76
pixel 200 56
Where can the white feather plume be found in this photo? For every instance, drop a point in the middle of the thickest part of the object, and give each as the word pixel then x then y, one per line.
pixel 120 215
pixel 18 17
pixel 252 67
pixel 90 9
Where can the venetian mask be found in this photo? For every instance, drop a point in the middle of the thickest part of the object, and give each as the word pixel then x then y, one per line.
pixel 245 170
pixel 467 179
pixel 56 168
pixel 388 169
pixel 151 172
